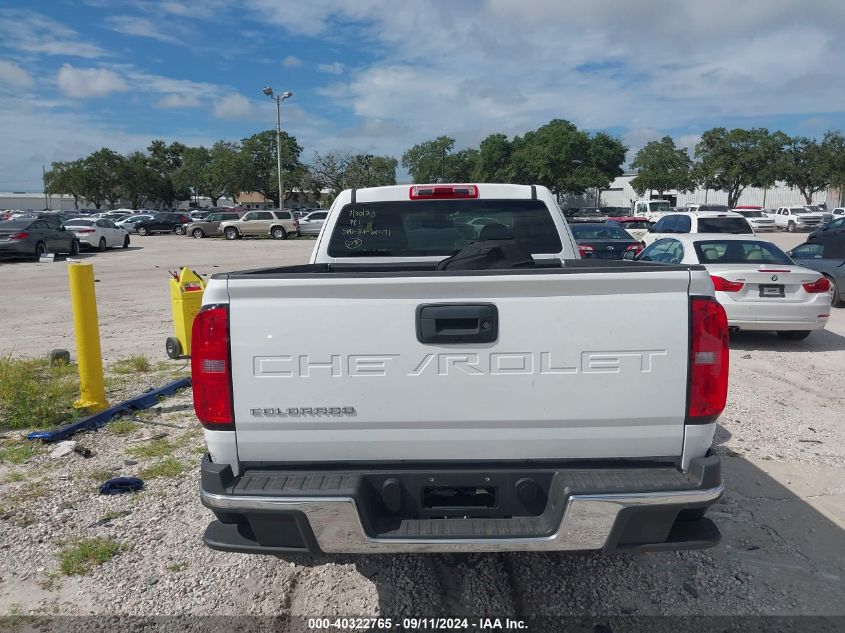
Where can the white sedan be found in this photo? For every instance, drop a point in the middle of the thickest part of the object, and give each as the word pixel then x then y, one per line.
pixel 128 223
pixel 759 286
pixel 98 233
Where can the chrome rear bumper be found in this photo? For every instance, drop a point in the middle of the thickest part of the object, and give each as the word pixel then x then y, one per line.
pixel 587 524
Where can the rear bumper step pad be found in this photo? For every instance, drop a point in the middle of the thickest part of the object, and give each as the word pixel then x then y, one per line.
pixel 628 509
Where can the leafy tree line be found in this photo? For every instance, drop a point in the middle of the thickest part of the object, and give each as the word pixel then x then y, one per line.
pixel 733 160
pixel 164 174
pixel 557 155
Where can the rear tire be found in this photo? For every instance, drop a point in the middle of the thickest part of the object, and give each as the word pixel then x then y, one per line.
pixel 198 234
pixel 278 233
pixel 790 228
pixel 142 231
pixel 74 248
pixel 835 297
pixel 179 229
pixel 40 249
pixel 231 233
pixel 793 335
pixel 102 245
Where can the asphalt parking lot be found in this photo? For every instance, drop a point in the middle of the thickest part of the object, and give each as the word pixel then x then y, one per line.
pixel 782 517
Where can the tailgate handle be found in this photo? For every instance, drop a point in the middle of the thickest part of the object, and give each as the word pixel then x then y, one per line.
pixel 457 323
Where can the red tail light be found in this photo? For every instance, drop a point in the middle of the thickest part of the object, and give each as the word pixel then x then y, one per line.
pixel 708 376
pixel 584 250
pixel 19 236
pixel 634 247
pixel 83 231
pixel 211 372
pixel 821 285
pixel 426 192
pixel 723 285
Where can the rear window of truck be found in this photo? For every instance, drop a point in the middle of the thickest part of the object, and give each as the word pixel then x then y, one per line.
pixel 419 228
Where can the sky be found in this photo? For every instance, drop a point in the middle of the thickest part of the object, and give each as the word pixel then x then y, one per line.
pixel 378 76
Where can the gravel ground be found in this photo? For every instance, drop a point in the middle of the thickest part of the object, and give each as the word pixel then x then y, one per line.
pixel 782 517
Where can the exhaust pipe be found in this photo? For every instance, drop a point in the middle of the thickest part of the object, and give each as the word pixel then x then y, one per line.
pixel 733 329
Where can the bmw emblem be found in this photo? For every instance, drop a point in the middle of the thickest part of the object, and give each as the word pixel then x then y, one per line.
pixel 774 277
pixel 611 248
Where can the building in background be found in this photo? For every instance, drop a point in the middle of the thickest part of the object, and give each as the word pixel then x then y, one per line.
pixel 622 194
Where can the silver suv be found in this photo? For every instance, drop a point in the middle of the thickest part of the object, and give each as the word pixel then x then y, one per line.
pixel 277 224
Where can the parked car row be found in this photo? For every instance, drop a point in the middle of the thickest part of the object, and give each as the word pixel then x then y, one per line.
pixel 33 237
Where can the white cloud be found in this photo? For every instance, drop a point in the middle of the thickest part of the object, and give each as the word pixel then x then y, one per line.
pixel 32 32
pixel 142 27
pixel 291 61
pixel 335 68
pixel 82 83
pixel 14 75
pixel 467 69
pixel 233 106
pixel 179 101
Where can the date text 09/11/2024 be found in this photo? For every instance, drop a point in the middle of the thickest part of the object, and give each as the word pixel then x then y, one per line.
pixel 421 624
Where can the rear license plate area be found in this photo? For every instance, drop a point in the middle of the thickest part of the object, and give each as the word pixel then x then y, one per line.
pixel 454 497
pixel 772 291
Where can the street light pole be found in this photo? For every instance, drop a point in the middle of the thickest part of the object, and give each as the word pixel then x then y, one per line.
pixel 278 99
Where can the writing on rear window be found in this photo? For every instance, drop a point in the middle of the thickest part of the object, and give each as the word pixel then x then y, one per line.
pixel 440 227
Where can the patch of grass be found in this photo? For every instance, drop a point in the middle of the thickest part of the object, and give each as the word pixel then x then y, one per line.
pixel 136 364
pixel 81 557
pixel 13 477
pixel 118 514
pixel 50 581
pixel 177 567
pixel 35 394
pixel 29 492
pixel 168 467
pixel 123 426
pixel 99 475
pixel 17 452
pixel 156 448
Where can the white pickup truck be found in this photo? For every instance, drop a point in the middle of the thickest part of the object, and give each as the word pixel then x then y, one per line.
pixel 379 400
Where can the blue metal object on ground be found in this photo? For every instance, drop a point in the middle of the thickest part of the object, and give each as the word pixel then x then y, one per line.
pixel 120 485
pixel 144 401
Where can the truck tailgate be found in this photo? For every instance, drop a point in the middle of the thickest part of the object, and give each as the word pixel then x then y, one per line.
pixel 586 364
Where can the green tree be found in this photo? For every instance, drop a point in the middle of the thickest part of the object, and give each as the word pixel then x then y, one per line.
pixel 366 170
pixel 66 178
pixel 565 159
pixel 338 171
pixel 836 142
pixel 259 151
pixel 462 165
pixel 227 172
pixel 165 160
pixel 429 161
pixel 493 162
pixel 101 179
pixel 734 160
pixel 662 166
pixel 811 166
pixel 192 177
pixel 139 180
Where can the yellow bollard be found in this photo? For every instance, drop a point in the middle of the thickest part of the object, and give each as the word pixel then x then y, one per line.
pixel 92 389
